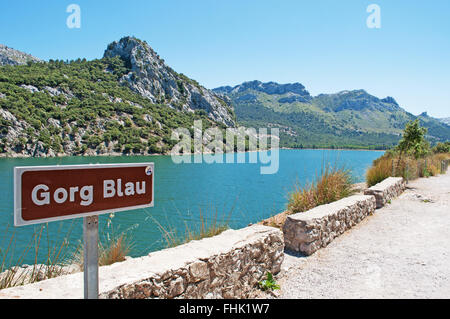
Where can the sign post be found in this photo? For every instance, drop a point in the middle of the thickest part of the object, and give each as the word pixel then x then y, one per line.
pixel 90 258
pixel 50 193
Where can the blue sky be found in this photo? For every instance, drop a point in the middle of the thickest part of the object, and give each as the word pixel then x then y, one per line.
pixel 324 44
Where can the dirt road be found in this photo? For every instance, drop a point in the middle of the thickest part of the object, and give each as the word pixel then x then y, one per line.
pixel 402 251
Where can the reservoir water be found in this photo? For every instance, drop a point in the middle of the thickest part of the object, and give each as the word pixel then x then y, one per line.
pixel 183 193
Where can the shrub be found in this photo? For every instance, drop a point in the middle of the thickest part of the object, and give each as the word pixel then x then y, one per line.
pixel 332 184
pixel 380 170
pixel 115 250
pixel 407 167
pixel 442 148
pixel 269 283
pixel 413 141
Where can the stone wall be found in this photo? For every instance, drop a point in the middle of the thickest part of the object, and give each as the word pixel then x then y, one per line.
pixel 386 190
pixel 309 231
pixel 228 265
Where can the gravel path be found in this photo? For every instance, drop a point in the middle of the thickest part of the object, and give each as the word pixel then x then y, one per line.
pixel 402 251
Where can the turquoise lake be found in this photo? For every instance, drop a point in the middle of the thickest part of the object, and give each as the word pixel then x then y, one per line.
pixel 183 192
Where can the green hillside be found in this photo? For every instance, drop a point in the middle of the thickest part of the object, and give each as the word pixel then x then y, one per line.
pixel 98 107
pixel 348 119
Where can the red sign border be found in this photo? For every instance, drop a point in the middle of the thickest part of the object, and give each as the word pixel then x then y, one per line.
pixel 19 170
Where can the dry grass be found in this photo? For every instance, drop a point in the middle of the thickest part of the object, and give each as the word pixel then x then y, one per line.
pixel 115 250
pixel 407 167
pixel 114 246
pixel 208 227
pixel 381 170
pixel 13 273
pixel 331 185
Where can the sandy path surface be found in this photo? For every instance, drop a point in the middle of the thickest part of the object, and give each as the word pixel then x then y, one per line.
pixel 402 251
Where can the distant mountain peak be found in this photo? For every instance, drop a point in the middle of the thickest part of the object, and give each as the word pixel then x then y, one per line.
pixel 267 87
pixel 153 79
pixel 445 120
pixel 9 56
pixel 389 100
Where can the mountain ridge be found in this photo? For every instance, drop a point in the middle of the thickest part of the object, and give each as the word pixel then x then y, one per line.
pixel 350 117
pixel 119 104
pixel 10 56
pixel 152 78
pixel 129 101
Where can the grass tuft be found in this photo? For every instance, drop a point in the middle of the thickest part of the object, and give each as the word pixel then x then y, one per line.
pixel 113 246
pixel 208 226
pixel 408 167
pixel 331 185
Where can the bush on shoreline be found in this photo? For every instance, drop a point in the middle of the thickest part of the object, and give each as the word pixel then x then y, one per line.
pixel 411 159
pixel 331 185
pixel 406 167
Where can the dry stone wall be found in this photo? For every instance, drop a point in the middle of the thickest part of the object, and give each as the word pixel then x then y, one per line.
pixel 309 231
pixel 386 190
pixel 228 265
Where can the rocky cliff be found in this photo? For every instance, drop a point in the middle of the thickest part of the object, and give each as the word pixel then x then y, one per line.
pixel 152 78
pixel 127 102
pixel 9 56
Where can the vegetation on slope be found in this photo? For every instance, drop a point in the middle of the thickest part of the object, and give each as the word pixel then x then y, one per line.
pixel 348 119
pixel 79 107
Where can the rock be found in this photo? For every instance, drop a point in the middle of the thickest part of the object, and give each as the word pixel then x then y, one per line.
pixel 296 89
pixel 30 88
pixel 293 98
pixel 386 190
pixel 9 56
pixel 309 231
pixel 152 78
pixel 52 91
pixel 55 123
pixel 176 287
pixel 228 265
pixel 198 271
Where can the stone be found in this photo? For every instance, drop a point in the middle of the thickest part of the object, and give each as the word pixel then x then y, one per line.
pixel 215 267
pixel 309 231
pixel 176 287
pixel 199 271
pixel 386 190
pixel 153 79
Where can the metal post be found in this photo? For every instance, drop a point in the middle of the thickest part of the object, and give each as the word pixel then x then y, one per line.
pixel 90 236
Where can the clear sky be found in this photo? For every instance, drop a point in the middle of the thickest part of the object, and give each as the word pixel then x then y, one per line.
pixel 325 44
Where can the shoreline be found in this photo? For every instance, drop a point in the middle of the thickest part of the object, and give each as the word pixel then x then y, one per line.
pixel 332 149
pixel 63 155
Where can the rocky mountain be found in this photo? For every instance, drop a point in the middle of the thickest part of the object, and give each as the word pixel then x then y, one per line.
pixel 445 120
pixel 9 56
pixel 344 119
pixel 128 102
pixel 153 79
